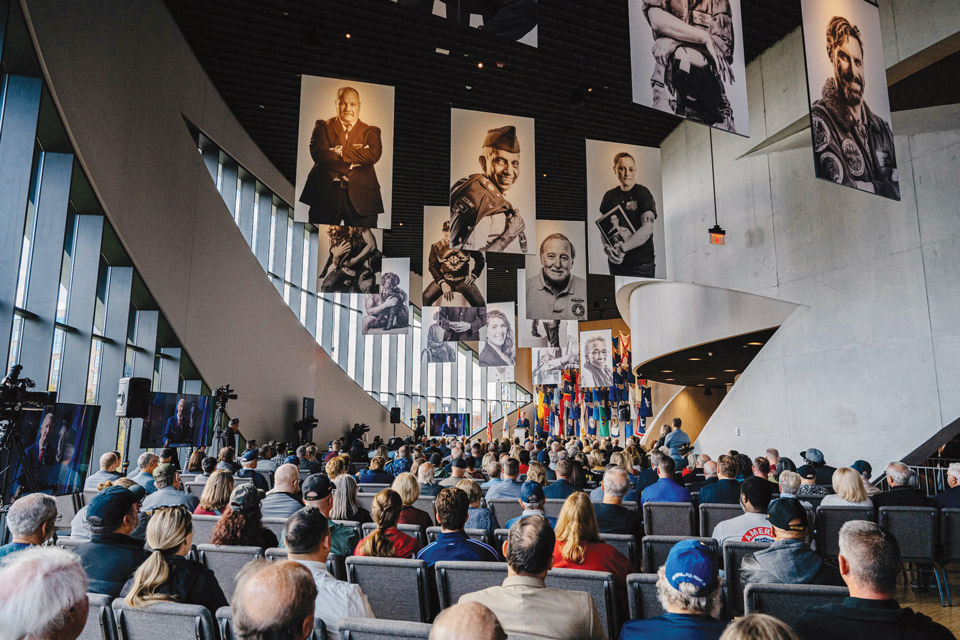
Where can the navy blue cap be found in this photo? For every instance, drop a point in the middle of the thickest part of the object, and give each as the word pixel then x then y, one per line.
pixel 531 492
pixel 862 467
pixel 250 454
pixel 291 460
pixel 691 561
pixel 111 504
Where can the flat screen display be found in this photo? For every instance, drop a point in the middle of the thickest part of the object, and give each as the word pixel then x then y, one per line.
pixel 178 420
pixel 449 424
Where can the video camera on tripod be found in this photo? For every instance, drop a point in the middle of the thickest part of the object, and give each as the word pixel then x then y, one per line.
pixel 224 394
pixel 16 397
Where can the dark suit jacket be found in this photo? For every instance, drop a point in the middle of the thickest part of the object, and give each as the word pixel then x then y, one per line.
pixel 722 491
pixel 900 497
pixel 363 147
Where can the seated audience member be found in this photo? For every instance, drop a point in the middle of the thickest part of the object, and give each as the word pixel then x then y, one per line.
pixel 334 468
pixel 427 479
pixel 168 455
pixel 709 476
pixel 493 471
pixel 43 595
pixel 468 621
pixel 622 460
pixel 789 482
pixel 167 575
pixel 208 465
pixel 537 472
pixel 688 588
pixel 387 541
pixel 146 463
pixel 814 458
pixel 307 538
pixel 80 530
pixel 452 543
pixel 274 600
pixel 168 493
pixel 249 461
pixel 562 487
pixel 375 474
pixel 523 457
pixel 333 452
pixel 227 460
pixel 112 555
pixel 318 492
pixel 612 516
pixel 761 469
pixel 216 494
pixel 666 489
pixel 901 494
pixel 478 517
pixel 808 482
pixel 789 560
pixel 866 471
pixel 345 505
pixel 784 464
pixel 457 471
pixel 752 526
pixel 758 626
pixel 109 462
pixel 869 565
pixel 408 489
pixel 950 499
pixel 847 490
pixel 648 472
pixel 196 458
pixel 267 463
pixel 241 523
pixel 532 500
pixel 284 499
pixel 726 490
pixel 401 462
pixel 32 520
pixel 508 487
pixel 524 604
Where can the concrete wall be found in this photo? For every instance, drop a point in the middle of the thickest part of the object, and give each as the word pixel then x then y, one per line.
pixel 869 367
pixel 124 79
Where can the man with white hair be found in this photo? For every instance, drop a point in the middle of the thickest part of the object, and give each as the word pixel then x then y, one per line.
pixel 109 462
pixel 950 499
pixel 426 476
pixel 31 520
pixel 43 595
pixel 612 516
pixel 467 621
pixel 709 476
pixel 146 463
pixel 901 494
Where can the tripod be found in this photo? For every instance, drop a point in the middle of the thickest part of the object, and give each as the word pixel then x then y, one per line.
pixel 12 449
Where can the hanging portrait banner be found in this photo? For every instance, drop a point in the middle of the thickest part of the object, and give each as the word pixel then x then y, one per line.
pixel 596 359
pixel 351 259
pixel 556 284
pixel 388 312
pixel 451 277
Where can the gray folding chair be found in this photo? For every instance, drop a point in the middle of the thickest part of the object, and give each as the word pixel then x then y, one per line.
pixel 599 584
pixel 353 524
pixel 203 528
pixel 949 543
pixel 194 488
pixel 276 525
pixel 455 579
pixel 483 535
pixel 625 544
pixel 379 579
pixel 412 530
pixel 504 509
pixel 226 562
pixel 366 629
pixel 627 504
pixel 100 624
pixel 655 549
pixel 500 536
pixel 66 542
pixel 552 507
pixel 372 488
pixel 829 521
pixel 669 519
pixel 787 601
pixel 267 475
pixel 712 514
pixel 915 528
pixel 365 500
pixel 642 596
pixel 425 503
pixel 67 507
pixel 224 618
pixel 88 495
pixel 188 477
pixel 169 619
pixel 733 553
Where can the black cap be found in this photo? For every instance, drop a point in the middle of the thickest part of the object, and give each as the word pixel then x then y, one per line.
pixel 245 498
pixel 458 464
pixel 807 471
pixel 317 487
pixel 782 511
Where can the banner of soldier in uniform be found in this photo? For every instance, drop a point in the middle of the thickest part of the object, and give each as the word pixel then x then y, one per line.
pixel 451 277
pixel 556 276
pixel 624 205
pixel 344 153
pixel 493 195
pixel 702 78
pixel 498 351
pixel 849 103
pixel 434 345
pixel 349 259
pixel 388 312
pixel 510 19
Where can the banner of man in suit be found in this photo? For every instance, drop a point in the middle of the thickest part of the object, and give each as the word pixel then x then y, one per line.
pixel 345 153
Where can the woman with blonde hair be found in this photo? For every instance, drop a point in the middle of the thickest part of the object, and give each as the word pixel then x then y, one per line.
pixel 848 489
pixel 758 626
pixel 216 494
pixel 387 541
pixel 595 460
pixel 334 467
pixel 375 473
pixel 408 488
pixel 536 472
pixel 345 506
pixel 166 575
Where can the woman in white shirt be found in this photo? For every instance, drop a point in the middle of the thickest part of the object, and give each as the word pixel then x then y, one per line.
pixel 848 489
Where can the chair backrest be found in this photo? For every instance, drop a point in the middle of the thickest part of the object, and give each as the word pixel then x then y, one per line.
pixel 483 535
pixel 379 579
pixel 224 620
pixel 66 542
pixel 669 519
pixel 813 500
pixel 276 525
pixel 787 601
pixel 829 521
pixel 194 488
pixel 67 507
pixel 267 475
pixel 226 562
pixel 552 507
pixel 599 584
pixel 504 509
pixel 203 528
pixel 455 579
pixel 412 530
pixel 425 503
pixel 336 565
pixel 949 535
pixel 625 544
pixel 88 495
pixel 239 481
pixel 642 596
pixel 655 549
pixel 175 620
pixel 187 477
pixel 101 624
pixel 371 487
pixel 365 500
pixel 500 536
pixel 712 514
pixel 733 553
pixel 915 528
pixel 367 629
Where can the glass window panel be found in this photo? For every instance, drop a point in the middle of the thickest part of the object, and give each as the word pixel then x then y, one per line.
pixel 431 380
pixel 15 342
pixel 220 176
pixel 289 266
pixel 66 266
pixel 286 292
pixel 385 363
pixel 416 358
pixel 368 363
pixel 352 349
pixel 29 228
pixel 100 305
pixel 305 261
pixel 236 202
pixel 303 307
pixel 401 363
pixel 320 319
pixel 59 335
pixel 334 348
pixel 128 359
pixel 273 236
pixel 93 375
pixel 256 220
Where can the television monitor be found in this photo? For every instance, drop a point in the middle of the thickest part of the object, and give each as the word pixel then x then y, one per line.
pixel 449 424
pixel 178 420
pixel 58 441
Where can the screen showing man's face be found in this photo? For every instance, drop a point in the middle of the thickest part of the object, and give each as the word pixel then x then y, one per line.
pixel 45 427
pixel 626 170
pixel 181 405
pixel 597 353
pixel 556 259
pixel 848 70
pixel 348 107
pixel 501 167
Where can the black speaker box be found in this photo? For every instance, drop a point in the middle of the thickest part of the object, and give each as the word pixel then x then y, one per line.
pixel 395 415
pixel 133 397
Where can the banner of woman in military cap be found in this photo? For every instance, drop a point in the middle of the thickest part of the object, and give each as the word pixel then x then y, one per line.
pixel 493 178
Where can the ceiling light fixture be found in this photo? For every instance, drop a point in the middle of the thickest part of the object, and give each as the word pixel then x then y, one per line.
pixel 347 36
pixel 754 344
pixel 667 371
pixel 729 370
pixel 479 65
pixel 694 359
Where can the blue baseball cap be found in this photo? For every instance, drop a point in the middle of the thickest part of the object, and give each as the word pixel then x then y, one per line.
pixel 291 460
pixel 250 455
pixel 692 561
pixel 531 492
pixel 114 502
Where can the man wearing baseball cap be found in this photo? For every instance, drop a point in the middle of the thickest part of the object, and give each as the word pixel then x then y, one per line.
pixel 532 501
pixel 789 560
pixel 249 461
pixel 168 493
pixel 318 492
pixel 689 588
pixel 112 555
pixel 814 457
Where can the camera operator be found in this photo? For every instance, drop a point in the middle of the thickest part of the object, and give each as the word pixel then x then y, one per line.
pixel 228 438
